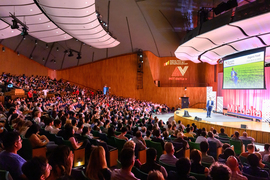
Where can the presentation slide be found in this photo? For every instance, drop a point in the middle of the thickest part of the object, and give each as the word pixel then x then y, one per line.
pixel 244 71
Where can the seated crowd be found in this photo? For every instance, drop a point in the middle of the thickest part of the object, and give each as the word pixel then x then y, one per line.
pixel 76 115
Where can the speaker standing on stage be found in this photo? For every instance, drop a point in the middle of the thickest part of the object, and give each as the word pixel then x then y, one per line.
pixel 209 107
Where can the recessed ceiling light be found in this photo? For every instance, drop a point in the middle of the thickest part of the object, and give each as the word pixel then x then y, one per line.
pixel 31 9
pixel 12 31
pixel 86 2
pixel 39 19
pixel 65 37
pixel 48 25
pixel 86 11
pixel 56 31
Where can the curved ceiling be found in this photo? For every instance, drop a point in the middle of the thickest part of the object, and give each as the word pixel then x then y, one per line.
pixel 228 39
pixel 154 25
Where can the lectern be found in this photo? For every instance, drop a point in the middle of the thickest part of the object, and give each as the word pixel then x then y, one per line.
pixel 185 102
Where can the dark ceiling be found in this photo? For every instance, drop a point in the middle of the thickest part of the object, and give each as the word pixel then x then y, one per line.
pixel 153 25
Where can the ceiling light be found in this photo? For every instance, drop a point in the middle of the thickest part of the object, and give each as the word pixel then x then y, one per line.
pixel 57 49
pixel 79 56
pixel 54 61
pixel 14 24
pixel 43 59
pixel 35 41
pixel 12 31
pixel 18 53
pixel 39 19
pixel 47 46
pixel 31 57
pixel 70 53
pixel 31 9
pixel 48 25
pixel 3 49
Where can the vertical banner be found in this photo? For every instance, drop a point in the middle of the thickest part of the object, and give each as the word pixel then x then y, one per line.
pixel 214 98
pixel 266 111
pixel 209 90
pixel 220 104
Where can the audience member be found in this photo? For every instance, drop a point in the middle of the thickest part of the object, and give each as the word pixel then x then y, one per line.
pixel 250 150
pixel 220 171
pixel 169 157
pixel 61 160
pixel 97 167
pixel 155 175
pixel 148 134
pixel 266 152
pixel 211 138
pixel 157 138
pixel 253 169
pixel 183 167
pixel 138 139
pixel 232 162
pixel 204 146
pixel 151 164
pixel 180 139
pixel 196 166
pixel 37 168
pixel 123 133
pixel 222 133
pixel 127 159
pixel 246 137
pixel 9 159
pixel 201 138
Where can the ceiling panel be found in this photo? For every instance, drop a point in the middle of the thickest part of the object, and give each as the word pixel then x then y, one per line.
pixel 30 14
pixel 224 50
pixel 78 15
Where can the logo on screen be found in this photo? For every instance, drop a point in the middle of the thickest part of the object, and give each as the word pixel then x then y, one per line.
pixel 179 71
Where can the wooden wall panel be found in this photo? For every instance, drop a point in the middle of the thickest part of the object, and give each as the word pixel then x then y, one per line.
pixel 120 74
pixel 10 62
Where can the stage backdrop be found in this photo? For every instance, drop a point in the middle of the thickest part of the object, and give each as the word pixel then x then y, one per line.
pixel 248 98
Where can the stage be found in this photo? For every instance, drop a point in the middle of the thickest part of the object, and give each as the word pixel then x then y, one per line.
pixel 258 130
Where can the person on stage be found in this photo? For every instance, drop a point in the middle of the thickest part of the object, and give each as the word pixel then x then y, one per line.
pixel 233 74
pixel 209 107
pixel 105 90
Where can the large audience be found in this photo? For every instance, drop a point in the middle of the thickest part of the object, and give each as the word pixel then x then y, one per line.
pixel 76 115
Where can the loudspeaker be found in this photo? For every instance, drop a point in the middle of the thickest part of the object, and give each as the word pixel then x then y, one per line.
pixel 157 83
pixel 186 114
pixel 244 126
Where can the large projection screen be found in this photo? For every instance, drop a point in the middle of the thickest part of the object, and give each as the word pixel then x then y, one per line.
pixel 244 70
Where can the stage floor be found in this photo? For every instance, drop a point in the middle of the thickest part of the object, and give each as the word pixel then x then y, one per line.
pixel 220 119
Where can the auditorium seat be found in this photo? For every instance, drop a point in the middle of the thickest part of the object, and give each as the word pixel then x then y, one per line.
pixel 111 153
pixel 193 145
pixel 180 151
pixel 198 176
pixel 158 147
pixel 139 174
pixel 254 177
pixel 27 152
pixel 167 167
pixel 111 141
pixel 5 175
pixel 213 150
pixel 119 144
pixel 79 154
pixel 238 146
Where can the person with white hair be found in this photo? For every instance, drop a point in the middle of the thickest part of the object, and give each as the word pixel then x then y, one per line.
pixel 246 137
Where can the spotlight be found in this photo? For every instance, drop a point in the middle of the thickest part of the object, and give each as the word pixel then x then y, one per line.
pixel 79 56
pixel 70 53
pixel 47 46
pixel 3 49
pixel 43 59
pixel 18 53
pixel 35 41
pixel 14 24
pixel 185 88
pixel 54 61
pixel 66 52
pixel 24 37
pixel 57 49
pixel 31 57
